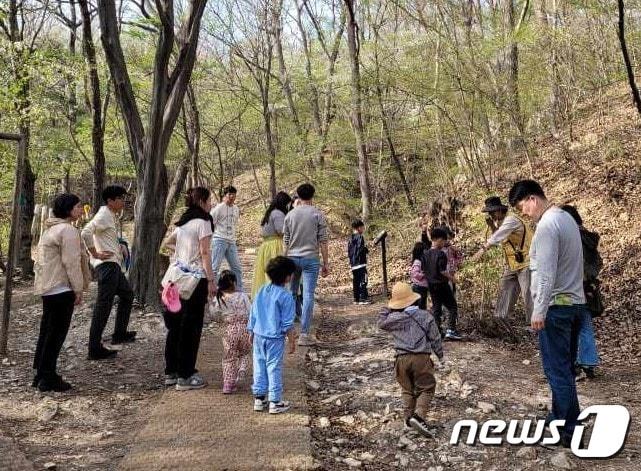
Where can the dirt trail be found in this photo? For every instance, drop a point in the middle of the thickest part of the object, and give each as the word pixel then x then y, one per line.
pixel 356 393
pixel 205 429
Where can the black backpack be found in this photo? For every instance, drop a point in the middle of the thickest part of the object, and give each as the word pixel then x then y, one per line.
pixel 592 265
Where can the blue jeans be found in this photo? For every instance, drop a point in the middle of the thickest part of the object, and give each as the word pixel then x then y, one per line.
pixel 587 353
pixel 268 367
pixel 221 248
pixel 558 344
pixel 307 269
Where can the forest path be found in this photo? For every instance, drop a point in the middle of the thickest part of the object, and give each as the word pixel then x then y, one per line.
pixel 205 429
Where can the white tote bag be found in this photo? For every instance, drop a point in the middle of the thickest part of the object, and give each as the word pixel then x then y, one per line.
pixel 185 281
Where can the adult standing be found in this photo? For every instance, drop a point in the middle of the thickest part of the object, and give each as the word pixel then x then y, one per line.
pixel 225 217
pixel 101 238
pixel 271 229
pixel 515 236
pixel 190 242
pixel 304 235
pixel 61 275
pixel 556 262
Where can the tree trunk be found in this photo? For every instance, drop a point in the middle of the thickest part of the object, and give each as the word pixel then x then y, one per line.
pixel 386 130
pixel 95 102
pixel 514 106
pixel 626 58
pixel 176 188
pixel 148 149
pixel 192 135
pixel 22 106
pixel 28 203
pixel 356 112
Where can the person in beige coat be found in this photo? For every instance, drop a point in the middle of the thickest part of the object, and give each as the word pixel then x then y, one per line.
pixel 61 275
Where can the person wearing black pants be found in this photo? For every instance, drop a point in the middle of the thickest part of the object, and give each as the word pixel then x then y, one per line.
pixel 184 329
pixel 111 283
pixel 442 295
pixel 434 263
pixel 191 244
pixel 61 275
pixel 357 254
pixel 359 280
pixel 101 239
pixel 57 310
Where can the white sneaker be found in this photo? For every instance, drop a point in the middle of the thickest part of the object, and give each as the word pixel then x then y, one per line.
pixel 260 404
pixel 195 381
pixel 279 407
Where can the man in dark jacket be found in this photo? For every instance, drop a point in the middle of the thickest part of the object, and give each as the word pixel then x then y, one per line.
pixel 357 253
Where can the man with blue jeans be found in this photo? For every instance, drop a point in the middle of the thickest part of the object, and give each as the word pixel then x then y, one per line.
pixel 304 235
pixel 556 263
pixel 223 243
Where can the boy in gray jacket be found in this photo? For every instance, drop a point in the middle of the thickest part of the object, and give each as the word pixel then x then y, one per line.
pixel 416 335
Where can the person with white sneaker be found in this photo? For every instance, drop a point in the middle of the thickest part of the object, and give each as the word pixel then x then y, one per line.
pixel 271 320
pixel 191 244
pixel 304 236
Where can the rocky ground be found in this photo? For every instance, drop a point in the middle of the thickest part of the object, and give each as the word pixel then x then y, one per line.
pixel 356 409
pixel 94 426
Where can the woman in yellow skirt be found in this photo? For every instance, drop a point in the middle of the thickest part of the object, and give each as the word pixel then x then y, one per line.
pixel 272 232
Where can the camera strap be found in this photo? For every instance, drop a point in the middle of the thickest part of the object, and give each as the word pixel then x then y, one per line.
pixel 522 244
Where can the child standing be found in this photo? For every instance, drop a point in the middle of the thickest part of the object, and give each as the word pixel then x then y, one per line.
pixel 438 278
pixel 237 345
pixel 270 321
pixel 357 253
pixel 416 335
pixel 417 276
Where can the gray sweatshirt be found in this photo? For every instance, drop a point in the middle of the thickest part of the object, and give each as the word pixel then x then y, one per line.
pixel 414 331
pixel 304 229
pixel 556 263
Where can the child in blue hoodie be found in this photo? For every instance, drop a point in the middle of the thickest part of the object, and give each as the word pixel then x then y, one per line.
pixel 272 319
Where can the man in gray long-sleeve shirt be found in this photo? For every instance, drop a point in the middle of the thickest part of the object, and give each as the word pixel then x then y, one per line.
pixel 304 234
pixel 556 263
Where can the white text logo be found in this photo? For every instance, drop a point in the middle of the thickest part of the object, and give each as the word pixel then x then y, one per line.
pixel 608 436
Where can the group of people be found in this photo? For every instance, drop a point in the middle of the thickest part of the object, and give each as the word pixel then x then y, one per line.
pixel 546 263
pixel 294 250
pixel 62 274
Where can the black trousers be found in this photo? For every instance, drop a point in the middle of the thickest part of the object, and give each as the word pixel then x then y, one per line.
pixel 442 295
pixel 184 329
pixel 111 283
pixel 57 310
pixel 359 280
pixel 423 291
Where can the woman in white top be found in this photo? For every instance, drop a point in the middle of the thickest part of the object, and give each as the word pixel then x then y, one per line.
pixel 62 273
pixel 191 242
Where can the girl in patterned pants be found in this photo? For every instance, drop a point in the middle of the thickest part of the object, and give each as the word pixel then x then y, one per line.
pixel 234 307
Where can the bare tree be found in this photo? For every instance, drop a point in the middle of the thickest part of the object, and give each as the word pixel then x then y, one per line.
pixel 148 146
pixel 95 105
pixel 357 109
pixel 636 98
pixel 22 23
pixel 385 121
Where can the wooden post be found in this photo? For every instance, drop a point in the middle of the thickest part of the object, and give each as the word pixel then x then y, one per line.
pixel 14 238
pixel 384 255
pixel 381 239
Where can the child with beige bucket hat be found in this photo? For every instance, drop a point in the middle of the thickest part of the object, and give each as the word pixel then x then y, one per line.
pixel 416 335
